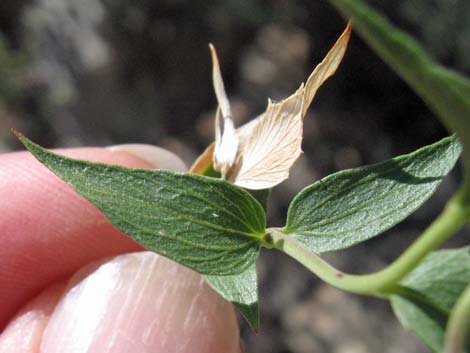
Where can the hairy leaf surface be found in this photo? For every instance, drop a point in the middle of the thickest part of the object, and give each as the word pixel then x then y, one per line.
pixel 354 205
pixel 430 291
pixel 242 291
pixel 203 223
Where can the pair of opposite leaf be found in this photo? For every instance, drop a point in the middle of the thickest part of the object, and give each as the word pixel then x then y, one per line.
pixel 259 154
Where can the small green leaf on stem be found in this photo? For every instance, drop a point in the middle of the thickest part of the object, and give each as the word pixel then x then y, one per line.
pixel 203 223
pixel 354 205
pixel 429 292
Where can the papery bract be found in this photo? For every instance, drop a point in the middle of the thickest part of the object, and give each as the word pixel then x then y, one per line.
pixel 226 139
pixel 271 147
pixel 260 154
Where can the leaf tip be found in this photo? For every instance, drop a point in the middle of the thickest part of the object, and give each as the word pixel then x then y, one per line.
pixel 23 139
pixel 347 31
pixel 18 134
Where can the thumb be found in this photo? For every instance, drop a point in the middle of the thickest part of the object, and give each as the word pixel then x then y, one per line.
pixel 140 302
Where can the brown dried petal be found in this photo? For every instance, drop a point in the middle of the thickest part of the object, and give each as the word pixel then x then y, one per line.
pixel 268 151
pixel 226 139
pixel 327 67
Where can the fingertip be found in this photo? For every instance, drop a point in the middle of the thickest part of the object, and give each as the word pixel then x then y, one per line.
pixel 141 302
pixel 48 231
pixel 156 156
pixel 24 332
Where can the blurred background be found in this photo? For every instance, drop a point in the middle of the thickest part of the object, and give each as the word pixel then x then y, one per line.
pixel 101 72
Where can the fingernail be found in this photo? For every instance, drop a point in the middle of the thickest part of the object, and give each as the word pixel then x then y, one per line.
pixel 140 302
pixel 155 156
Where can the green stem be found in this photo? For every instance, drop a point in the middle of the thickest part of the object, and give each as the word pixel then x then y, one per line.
pixel 465 194
pixel 458 325
pixel 384 282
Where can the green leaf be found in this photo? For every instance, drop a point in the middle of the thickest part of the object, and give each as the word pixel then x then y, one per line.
pixel 203 223
pixel 242 291
pixel 445 92
pixel 429 292
pixel 354 205
pixel 423 320
pixel 457 335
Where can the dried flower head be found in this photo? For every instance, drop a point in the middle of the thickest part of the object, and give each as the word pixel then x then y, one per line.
pixel 260 154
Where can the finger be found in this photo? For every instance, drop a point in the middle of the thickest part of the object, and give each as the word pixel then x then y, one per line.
pixel 47 231
pixel 140 302
pixel 24 333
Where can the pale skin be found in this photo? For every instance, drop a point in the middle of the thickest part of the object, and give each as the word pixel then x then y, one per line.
pixel 70 282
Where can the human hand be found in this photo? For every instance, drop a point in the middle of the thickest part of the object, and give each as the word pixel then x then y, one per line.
pixel 60 274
